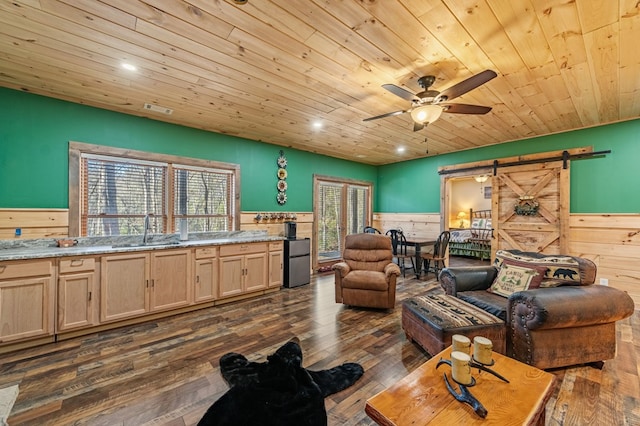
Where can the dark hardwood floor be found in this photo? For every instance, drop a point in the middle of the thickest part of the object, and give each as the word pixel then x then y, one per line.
pixel 165 372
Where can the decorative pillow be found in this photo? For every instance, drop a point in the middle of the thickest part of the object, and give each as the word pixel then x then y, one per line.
pixel 540 269
pixel 477 223
pixel 564 269
pixel 513 278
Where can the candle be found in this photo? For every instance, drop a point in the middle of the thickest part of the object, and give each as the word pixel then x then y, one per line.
pixel 482 350
pixel 460 343
pixel 460 369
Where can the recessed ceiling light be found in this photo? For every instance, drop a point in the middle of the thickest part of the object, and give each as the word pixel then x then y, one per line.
pixel 129 67
pixel 401 149
pixel 317 125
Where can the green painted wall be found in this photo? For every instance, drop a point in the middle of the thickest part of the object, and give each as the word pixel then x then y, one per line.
pixel 35 131
pixel 598 185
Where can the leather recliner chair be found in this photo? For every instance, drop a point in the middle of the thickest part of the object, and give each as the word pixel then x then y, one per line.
pixel 367 276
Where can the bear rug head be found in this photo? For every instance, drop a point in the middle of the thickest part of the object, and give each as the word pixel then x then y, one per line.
pixel 277 392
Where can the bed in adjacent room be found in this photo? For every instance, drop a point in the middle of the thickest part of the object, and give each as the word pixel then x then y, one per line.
pixel 474 241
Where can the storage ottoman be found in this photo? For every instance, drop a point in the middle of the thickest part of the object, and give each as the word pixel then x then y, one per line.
pixel 430 321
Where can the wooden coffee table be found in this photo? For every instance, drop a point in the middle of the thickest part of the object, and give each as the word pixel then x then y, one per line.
pixel 422 397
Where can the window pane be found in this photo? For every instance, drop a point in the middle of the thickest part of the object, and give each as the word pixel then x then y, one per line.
pixel 356 209
pixel 203 196
pixel 118 194
pixel 329 220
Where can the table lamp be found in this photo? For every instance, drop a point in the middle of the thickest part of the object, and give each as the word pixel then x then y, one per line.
pixel 461 216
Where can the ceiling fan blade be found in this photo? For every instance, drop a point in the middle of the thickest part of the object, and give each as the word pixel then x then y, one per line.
pixel 389 114
pixel 399 91
pixel 465 109
pixel 465 86
pixel 418 126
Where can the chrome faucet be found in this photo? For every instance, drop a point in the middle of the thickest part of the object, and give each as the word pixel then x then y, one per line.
pixel 147 225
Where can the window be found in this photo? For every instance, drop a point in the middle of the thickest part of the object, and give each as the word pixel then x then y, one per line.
pixel 112 190
pixel 202 197
pixel 342 207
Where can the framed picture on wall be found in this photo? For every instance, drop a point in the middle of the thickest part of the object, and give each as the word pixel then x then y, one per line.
pixel 487 192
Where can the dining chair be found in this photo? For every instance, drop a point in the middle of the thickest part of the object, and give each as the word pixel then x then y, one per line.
pixel 371 230
pixel 400 249
pixel 438 255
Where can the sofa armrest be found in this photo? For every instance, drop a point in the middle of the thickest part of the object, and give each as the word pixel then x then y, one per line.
pixel 341 268
pixel 467 278
pixel 565 307
pixel 391 269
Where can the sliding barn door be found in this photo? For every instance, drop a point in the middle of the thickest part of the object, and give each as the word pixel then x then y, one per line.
pixel 530 208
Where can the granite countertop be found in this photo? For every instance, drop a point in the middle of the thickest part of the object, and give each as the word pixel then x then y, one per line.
pixel 47 247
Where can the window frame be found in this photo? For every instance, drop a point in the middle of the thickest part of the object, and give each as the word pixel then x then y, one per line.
pixel 76 149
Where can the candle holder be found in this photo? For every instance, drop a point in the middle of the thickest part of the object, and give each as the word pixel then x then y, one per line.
pixel 483 350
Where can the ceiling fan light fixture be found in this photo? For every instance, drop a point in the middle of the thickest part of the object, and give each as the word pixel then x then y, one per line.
pixel 481 178
pixel 426 113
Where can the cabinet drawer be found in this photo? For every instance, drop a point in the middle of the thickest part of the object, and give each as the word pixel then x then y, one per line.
pixel 276 245
pixel 205 252
pixel 239 249
pixel 30 268
pixel 77 264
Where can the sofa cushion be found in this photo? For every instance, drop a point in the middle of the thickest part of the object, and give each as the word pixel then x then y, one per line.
pixel 562 269
pixel 493 304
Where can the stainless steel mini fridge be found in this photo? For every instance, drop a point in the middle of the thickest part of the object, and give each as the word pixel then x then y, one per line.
pixel 297 262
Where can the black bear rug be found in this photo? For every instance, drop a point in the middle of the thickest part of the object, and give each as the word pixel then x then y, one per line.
pixel 277 392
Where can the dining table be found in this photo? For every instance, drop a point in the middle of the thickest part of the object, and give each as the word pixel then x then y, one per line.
pixel 417 243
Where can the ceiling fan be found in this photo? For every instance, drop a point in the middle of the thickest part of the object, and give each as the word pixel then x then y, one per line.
pixel 427 105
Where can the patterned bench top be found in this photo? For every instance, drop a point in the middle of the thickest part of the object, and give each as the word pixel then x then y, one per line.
pixel 448 312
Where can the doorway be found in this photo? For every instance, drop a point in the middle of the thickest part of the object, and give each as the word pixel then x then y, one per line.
pixel 341 207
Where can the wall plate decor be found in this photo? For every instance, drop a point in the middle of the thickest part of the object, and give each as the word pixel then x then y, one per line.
pixel 282 176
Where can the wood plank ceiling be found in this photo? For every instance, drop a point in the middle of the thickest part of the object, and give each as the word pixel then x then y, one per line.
pixel 269 69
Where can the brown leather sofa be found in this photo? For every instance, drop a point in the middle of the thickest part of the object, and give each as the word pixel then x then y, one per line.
pixel 367 276
pixel 562 323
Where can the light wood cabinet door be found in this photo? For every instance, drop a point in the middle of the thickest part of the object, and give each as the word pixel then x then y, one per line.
pixel 26 308
pixel 206 280
pixel 76 300
pixel 231 275
pixel 170 279
pixel 124 280
pixel 255 272
pixel 275 268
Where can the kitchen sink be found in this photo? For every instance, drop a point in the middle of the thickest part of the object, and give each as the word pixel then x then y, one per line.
pixel 148 244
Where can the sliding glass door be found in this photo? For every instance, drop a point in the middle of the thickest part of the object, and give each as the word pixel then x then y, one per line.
pixel 341 207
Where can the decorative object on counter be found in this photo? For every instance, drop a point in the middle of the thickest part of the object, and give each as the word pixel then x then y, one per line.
pixel 66 243
pixel 282 176
pixel 277 216
pixel 526 206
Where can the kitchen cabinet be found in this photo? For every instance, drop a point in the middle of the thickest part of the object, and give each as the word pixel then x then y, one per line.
pixel 124 279
pixel 76 293
pixel 243 269
pixel 206 274
pixel 26 300
pixel 138 283
pixel 275 264
pixel 170 279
